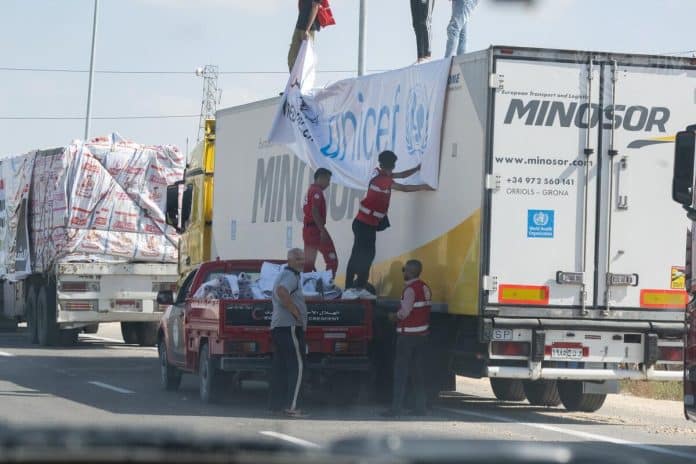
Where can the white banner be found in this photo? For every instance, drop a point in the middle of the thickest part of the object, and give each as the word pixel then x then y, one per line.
pixel 345 126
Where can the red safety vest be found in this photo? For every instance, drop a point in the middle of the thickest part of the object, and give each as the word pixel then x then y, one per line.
pixel 315 196
pixel 418 321
pixel 376 203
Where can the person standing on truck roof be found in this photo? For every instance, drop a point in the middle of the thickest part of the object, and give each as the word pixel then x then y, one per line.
pixel 288 325
pixel 314 233
pixel 412 328
pixel 422 16
pixel 305 28
pixel 371 218
pixel 456 29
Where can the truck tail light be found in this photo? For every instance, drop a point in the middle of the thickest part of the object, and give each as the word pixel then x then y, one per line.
pixel 344 347
pixel 126 305
pixel 510 348
pixel 671 353
pixel 241 347
pixel 78 287
pixel 78 305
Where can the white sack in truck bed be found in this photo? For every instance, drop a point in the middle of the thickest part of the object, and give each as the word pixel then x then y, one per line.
pixel 100 201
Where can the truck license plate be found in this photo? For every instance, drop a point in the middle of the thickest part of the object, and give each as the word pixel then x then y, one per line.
pixel 566 353
pixel 502 334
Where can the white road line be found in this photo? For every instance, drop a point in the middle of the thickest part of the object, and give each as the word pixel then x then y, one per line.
pixel 104 339
pixel 575 433
pixel 110 387
pixel 6 354
pixel 289 439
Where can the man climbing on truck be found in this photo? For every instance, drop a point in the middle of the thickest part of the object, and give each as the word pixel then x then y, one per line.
pixel 314 234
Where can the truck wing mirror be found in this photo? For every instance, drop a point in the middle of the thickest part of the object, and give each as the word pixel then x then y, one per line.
pixel 186 202
pixel 172 211
pixel 683 178
pixel 165 297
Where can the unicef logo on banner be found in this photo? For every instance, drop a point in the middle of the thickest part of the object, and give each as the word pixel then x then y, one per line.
pixel 417 120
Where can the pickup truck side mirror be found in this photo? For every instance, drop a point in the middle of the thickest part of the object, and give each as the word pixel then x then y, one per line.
pixel 165 297
pixel 683 178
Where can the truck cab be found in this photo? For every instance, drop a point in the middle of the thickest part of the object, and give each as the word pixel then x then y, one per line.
pixel 229 340
pixel 683 189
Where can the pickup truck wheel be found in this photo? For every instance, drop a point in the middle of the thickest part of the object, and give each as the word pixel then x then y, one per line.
pixel 147 333
pixel 507 389
pixel 30 315
pixel 542 392
pixel 170 377
pixel 210 378
pixel 129 331
pixel 574 399
pixel 46 326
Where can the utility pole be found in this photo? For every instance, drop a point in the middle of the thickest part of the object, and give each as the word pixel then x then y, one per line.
pixel 361 38
pixel 211 95
pixel 88 117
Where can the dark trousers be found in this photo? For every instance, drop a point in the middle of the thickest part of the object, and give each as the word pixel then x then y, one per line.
pixel 288 366
pixel 409 360
pixel 422 15
pixel 362 255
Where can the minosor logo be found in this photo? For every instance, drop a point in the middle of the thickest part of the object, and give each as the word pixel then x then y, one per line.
pixel 417 120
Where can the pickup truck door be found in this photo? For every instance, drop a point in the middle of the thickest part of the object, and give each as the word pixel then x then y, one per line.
pixel 175 323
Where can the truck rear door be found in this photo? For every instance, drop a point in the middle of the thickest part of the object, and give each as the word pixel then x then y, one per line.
pixel 641 229
pixel 543 183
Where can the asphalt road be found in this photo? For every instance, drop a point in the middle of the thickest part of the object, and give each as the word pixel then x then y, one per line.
pixel 101 381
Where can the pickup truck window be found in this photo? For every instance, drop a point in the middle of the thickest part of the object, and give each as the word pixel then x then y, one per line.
pixel 184 290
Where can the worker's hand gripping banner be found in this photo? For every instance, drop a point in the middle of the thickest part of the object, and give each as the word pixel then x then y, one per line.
pixel 345 126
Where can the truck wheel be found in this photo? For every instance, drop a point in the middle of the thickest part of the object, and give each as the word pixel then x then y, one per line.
pixel 170 377
pixel 30 315
pixel 542 392
pixel 147 333
pixel 574 399
pixel 68 337
pixel 507 389
pixel 46 326
pixel 91 329
pixel 210 378
pixel 129 331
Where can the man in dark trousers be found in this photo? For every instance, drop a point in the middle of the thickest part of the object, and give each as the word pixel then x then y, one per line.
pixel 422 17
pixel 314 234
pixel 288 325
pixel 371 218
pixel 305 27
pixel 412 328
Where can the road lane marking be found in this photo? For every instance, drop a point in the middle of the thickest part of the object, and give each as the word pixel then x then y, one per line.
pixel 289 439
pixel 6 354
pixel 110 387
pixel 104 339
pixel 575 433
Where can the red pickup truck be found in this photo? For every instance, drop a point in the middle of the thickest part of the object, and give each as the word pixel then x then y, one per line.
pixel 229 340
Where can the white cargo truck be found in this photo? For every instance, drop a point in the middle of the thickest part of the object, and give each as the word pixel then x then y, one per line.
pixel 551 245
pixel 83 238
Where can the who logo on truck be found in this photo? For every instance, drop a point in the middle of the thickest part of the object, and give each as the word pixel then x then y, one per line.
pixel 540 223
pixel 417 120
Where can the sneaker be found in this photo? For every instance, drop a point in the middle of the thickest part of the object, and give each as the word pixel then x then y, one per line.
pixel 295 414
pixel 364 294
pixel 351 294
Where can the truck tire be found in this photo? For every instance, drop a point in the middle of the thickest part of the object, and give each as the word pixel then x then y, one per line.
pixel 91 329
pixel 507 389
pixel 129 331
pixel 210 378
pixel 170 377
pixel 30 316
pixel 147 333
pixel 574 399
pixel 542 392
pixel 68 337
pixel 46 326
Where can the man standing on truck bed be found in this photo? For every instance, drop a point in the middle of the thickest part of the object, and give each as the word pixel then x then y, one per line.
pixel 372 218
pixel 288 325
pixel 314 234
pixel 412 328
pixel 305 27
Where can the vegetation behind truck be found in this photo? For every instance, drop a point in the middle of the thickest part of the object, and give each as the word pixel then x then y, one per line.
pixel 553 256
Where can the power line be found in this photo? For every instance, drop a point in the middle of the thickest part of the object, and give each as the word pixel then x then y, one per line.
pixel 164 72
pixel 71 118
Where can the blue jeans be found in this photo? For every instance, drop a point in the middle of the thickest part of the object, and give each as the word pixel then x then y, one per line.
pixel 456 30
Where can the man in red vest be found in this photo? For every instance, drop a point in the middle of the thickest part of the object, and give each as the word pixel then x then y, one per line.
pixel 314 234
pixel 412 329
pixel 371 218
